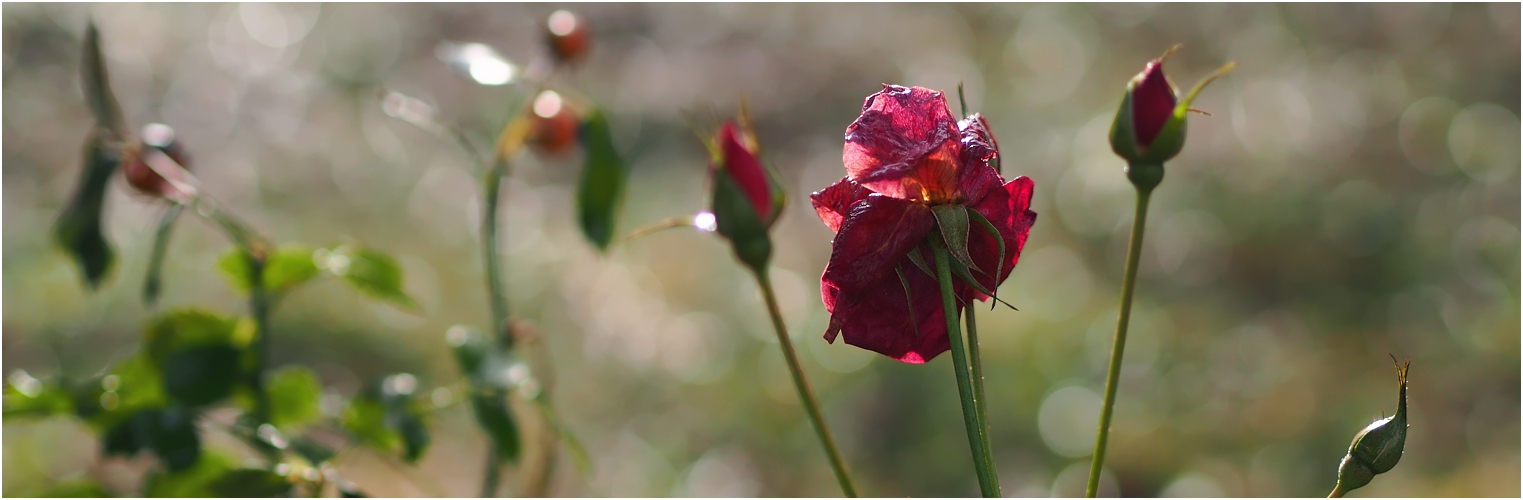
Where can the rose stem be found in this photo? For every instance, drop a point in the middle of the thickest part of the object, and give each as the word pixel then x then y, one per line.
pixel 978 383
pixel 983 464
pixel 1118 346
pixel 499 302
pixel 805 394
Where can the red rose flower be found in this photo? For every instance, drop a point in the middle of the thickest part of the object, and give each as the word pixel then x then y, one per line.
pixel 905 155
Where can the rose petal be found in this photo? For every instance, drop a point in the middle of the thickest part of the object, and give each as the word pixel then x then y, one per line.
pixel 833 202
pixel 904 145
pixel 876 235
pixel 747 172
pixel 1008 210
pixel 877 317
pixel 1152 103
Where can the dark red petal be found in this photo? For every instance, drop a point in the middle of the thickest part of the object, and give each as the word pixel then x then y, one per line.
pixel 833 202
pixel 747 171
pixel 904 144
pixel 878 318
pixel 1008 210
pixel 1152 104
pixel 876 234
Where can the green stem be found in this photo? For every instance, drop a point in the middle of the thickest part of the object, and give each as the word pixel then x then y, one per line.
pixel 1118 346
pixel 805 394
pixel 497 296
pixel 983 465
pixel 978 385
pixel 259 307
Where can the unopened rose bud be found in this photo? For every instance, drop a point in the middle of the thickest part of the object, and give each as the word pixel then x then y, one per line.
pixel 554 125
pixel 567 36
pixel 1378 447
pixel 1150 126
pixel 745 201
pixel 155 136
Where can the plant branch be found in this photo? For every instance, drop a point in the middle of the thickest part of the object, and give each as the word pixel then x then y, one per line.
pixel 988 483
pixel 805 394
pixel 1118 346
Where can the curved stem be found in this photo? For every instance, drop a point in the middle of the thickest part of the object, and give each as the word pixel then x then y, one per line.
pixel 983 465
pixel 1118 346
pixel 497 297
pixel 805 394
pixel 1338 491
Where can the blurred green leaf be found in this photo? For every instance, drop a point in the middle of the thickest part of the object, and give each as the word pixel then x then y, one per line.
pixel 494 416
pixel 294 397
pixel 78 229
pixel 284 269
pixel 372 273
pixel 249 483
pixel 203 374
pixel 169 433
pixel 153 284
pixel 600 193
pixel 313 451
pixel 184 327
pixel 187 483
pixel 387 417
pixel 26 396
pixel 96 84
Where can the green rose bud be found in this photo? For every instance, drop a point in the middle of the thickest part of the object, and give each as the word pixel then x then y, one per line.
pixel 1377 448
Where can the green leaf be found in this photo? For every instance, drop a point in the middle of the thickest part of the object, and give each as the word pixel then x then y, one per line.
pixel 249 483
pixel 96 84
pixel 373 273
pixel 187 483
pixel 311 450
pixel 953 220
pixel 295 395
pixel 26 396
pixel 153 283
pixel 169 433
pixel 284 269
pixel 203 374
pixel 78 229
pixel 999 266
pixel 389 419
pixel 494 416
pixel 919 260
pixel 82 488
pixel 184 327
pixel 600 193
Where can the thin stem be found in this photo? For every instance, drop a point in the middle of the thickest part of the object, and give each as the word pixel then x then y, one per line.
pixel 1118 347
pixel 497 296
pixel 805 394
pixel 978 384
pixel 982 463
pixel 493 475
pixel 1338 491
pixel 259 306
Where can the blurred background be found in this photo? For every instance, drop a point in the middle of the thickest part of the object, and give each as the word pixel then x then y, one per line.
pixel 1354 193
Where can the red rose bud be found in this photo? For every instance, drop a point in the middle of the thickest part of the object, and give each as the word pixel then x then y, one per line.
pixel 553 124
pixel 742 166
pixel 567 36
pixel 139 174
pixel 744 202
pixel 1150 126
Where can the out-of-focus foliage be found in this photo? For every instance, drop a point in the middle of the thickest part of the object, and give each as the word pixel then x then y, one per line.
pixel 1354 193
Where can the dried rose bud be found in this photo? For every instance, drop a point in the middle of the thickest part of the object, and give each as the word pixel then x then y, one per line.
pixel 1378 447
pixel 137 171
pixel 567 36
pixel 554 126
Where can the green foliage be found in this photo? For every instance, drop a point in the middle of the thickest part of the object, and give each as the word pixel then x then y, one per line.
pixel 198 352
pixel 388 418
pixel 488 367
pixel 83 488
pixel 249 483
pixel 285 268
pixel 153 284
pixel 313 451
pixel 170 434
pixel 26 396
pixel 191 482
pixel 78 229
pixel 294 395
pixel 96 84
pixel 953 221
pixel 372 273
pixel 600 193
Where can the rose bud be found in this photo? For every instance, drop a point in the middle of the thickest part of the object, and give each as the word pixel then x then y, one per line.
pixel 1378 447
pixel 553 126
pixel 137 171
pixel 1150 126
pixel 745 200
pixel 567 37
